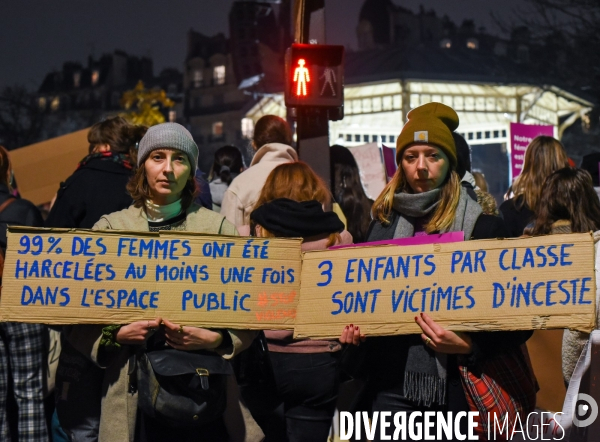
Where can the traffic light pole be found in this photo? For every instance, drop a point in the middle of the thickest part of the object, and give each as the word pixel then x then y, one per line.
pixel 312 130
pixel 312 123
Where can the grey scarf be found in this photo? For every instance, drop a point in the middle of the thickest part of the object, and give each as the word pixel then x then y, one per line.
pixel 425 374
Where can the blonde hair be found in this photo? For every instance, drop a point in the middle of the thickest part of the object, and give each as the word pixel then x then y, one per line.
pixel 444 214
pixel 543 156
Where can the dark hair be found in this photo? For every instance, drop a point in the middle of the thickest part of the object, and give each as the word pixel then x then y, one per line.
pixel 228 163
pixel 349 193
pixel 591 163
pixel 271 129
pixel 140 192
pixel 5 167
pixel 567 194
pixel 119 134
pixel 463 154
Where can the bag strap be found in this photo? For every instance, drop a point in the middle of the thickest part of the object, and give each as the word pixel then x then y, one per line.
pixel 221 225
pixel 8 202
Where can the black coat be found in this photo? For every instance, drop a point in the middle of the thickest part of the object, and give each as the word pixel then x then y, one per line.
pixel 96 189
pixel 19 213
pixel 516 216
pixel 391 352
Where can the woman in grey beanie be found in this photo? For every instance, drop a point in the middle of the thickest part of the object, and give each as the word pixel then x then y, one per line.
pixel 163 191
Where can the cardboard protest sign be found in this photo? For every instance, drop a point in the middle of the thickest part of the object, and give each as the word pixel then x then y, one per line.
pixel 511 284
pixel 371 168
pixel 55 276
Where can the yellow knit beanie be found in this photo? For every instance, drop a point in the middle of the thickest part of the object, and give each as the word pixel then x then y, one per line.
pixel 431 123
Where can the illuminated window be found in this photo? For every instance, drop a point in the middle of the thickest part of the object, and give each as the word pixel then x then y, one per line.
pixel 172 116
pixel 55 104
pixel 77 79
pixel 247 127
pixel 95 77
pixel 198 78
pixel 42 103
pixel 217 129
pixel 473 43
pixel 446 43
pixel 219 74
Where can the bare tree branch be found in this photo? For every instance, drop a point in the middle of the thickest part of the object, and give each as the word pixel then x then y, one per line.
pixel 21 120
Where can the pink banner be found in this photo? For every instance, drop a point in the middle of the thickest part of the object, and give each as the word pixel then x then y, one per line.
pixel 520 137
pixel 389 159
pixel 436 238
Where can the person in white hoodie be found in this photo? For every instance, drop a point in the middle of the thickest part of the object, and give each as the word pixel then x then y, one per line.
pixel 272 141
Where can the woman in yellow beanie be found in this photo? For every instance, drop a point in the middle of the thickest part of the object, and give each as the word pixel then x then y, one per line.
pixel 420 372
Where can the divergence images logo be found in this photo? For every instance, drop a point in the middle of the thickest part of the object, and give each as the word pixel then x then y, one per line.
pixel 586 411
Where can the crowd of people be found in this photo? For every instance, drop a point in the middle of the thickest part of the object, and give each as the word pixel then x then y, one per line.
pixel 276 388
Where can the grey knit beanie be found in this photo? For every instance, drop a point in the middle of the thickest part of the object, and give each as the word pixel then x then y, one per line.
pixel 168 135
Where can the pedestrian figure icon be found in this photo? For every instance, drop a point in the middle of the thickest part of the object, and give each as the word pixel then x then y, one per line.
pixel 314 77
pixel 301 77
pixel 329 76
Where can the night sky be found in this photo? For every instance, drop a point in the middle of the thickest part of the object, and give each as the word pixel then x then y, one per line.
pixel 37 36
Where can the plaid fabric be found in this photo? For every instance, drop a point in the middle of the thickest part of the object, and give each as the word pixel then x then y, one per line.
pixel 22 359
pixel 502 386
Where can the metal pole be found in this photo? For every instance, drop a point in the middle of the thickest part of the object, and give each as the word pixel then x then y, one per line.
pixel 312 123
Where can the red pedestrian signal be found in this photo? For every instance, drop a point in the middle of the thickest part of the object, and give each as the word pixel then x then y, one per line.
pixel 315 76
pixel 301 77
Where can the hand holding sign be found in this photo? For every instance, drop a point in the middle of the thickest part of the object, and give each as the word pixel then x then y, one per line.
pixel 351 335
pixel 441 340
pixel 136 333
pixel 191 338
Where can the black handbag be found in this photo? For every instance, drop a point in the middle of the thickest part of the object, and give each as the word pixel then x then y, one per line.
pixel 181 388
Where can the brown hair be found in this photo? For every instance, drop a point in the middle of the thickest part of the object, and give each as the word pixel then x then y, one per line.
pixel 298 182
pixel 568 194
pixel 271 129
pixel 444 214
pixel 140 191
pixel 119 134
pixel 5 167
pixel 543 156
